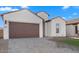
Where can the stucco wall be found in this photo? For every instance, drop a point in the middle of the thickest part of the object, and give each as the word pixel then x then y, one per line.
pixel 52 29
pixel 43 15
pixel 78 27
pixel 6 30
pixel 48 29
pixel 23 16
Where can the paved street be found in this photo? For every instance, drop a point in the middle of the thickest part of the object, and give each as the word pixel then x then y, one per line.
pixel 35 45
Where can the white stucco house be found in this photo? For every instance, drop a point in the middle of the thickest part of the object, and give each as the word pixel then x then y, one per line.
pixel 25 23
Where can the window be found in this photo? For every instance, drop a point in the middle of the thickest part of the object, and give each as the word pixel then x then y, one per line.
pixel 76 29
pixel 57 28
pixel 5 22
pixel 57 25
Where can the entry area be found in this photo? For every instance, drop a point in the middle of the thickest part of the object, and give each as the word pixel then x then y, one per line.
pixel 23 30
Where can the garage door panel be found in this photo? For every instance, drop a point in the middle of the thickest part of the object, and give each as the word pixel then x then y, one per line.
pixel 18 30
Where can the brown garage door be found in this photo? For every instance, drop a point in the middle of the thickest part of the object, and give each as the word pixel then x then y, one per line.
pixel 21 30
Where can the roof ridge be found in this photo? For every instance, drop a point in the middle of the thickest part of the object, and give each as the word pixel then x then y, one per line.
pixel 20 10
pixel 54 18
pixel 42 11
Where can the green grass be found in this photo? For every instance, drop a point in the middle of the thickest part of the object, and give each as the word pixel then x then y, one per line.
pixel 74 42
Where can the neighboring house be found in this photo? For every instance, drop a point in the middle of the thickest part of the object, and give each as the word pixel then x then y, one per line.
pixel 72 27
pixel 24 23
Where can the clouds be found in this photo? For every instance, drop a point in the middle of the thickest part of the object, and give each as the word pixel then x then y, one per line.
pixel 65 7
pixel 11 9
pixel 74 13
pixel 64 17
pixel 70 11
pixel 69 17
pixel 8 9
pixel 24 7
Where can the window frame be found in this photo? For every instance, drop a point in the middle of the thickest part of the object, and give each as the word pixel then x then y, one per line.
pixel 57 28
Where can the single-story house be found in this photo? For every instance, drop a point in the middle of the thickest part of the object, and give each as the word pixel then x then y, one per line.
pixel 72 27
pixel 25 23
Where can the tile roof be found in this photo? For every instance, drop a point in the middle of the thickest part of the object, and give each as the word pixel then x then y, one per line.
pixel 73 21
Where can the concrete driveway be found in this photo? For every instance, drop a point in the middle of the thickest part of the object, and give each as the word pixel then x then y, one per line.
pixel 36 45
pixel 4 46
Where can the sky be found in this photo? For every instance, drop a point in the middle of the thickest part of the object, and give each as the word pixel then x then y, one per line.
pixel 66 12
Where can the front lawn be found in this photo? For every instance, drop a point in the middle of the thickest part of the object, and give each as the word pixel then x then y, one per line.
pixel 74 42
pixel 70 41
